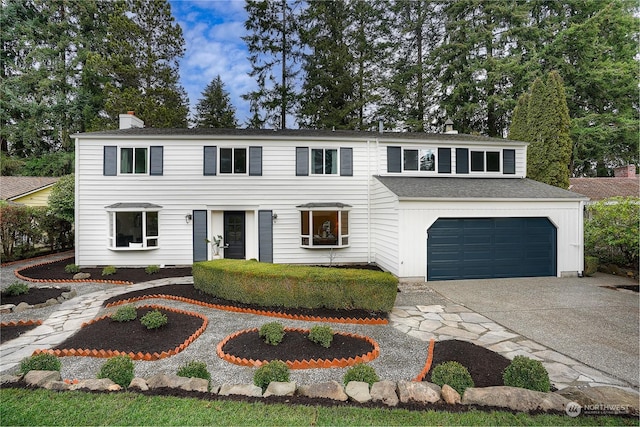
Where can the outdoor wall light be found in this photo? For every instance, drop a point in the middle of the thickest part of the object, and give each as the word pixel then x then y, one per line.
pixel 188 218
pixel 274 217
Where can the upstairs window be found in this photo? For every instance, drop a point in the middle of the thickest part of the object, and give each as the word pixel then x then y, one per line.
pixel 133 160
pixel 324 161
pixel 233 160
pixel 324 225
pixel 485 161
pixel 423 160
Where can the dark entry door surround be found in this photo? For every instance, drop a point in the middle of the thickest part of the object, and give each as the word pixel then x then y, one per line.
pixel 478 248
pixel 234 235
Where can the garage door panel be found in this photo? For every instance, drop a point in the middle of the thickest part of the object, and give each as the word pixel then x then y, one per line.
pixel 468 248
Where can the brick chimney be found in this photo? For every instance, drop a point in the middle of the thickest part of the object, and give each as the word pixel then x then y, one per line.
pixel 628 171
pixel 129 120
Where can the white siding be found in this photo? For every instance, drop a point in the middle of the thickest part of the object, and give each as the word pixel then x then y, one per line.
pixel 384 227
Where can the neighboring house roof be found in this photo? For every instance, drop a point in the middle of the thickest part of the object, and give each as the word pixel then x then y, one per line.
pixel 604 188
pixel 14 187
pixel 408 188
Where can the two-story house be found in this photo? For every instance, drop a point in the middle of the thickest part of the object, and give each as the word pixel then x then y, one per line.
pixel 425 206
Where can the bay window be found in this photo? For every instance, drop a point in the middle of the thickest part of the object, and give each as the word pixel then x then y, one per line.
pixel 133 226
pixel 324 225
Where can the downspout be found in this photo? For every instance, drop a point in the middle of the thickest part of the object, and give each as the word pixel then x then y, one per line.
pixel 368 202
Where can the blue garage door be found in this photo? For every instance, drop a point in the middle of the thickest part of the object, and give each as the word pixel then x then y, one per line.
pixel 479 248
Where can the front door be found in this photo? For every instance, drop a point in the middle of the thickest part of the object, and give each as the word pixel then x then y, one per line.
pixel 234 235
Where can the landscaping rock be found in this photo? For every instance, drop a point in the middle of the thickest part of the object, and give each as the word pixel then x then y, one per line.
pixel 196 384
pixel 81 276
pixel 240 390
pixel 385 392
pixel 518 399
pixel 40 378
pixel 449 395
pixel 9 379
pixel 358 391
pixel 277 388
pixel 6 308
pixel 420 392
pixel 604 395
pixel 139 383
pixel 96 384
pixel 57 386
pixel 329 390
pixel 21 307
pixel 164 380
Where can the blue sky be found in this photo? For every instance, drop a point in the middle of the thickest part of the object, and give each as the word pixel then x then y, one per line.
pixel 212 31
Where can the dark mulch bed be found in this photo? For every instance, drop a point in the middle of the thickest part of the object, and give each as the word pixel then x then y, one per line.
pixel 295 346
pixel 8 333
pixel 55 270
pixel 191 292
pixel 485 366
pixel 35 296
pixel 107 334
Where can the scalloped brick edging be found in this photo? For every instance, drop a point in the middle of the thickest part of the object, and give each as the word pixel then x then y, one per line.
pixel 427 363
pixel 17 273
pixel 21 323
pixel 132 355
pixel 302 364
pixel 358 321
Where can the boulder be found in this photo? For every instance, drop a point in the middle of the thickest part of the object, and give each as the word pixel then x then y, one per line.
pixel 7 308
pixel 518 399
pixel 96 384
pixel 139 383
pixel 450 396
pixel 40 378
pixel 57 386
pixel 21 307
pixel 196 384
pixel 358 391
pixel 418 391
pixel 278 388
pixel 9 379
pixel 328 390
pixel 164 380
pixel 603 395
pixel 385 392
pixel 250 390
pixel 81 276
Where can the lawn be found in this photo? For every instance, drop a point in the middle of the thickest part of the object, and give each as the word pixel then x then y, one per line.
pixel 43 407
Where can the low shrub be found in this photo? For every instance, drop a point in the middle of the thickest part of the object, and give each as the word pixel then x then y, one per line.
pixel 276 370
pixel 40 362
pixel 154 319
pixel 109 270
pixel 194 369
pixel 152 269
pixel 590 265
pixel 296 286
pixel 361 372
pixel 322 335
pixel 526 373
pixel 118 369
pixel 125 313
pixel 453 374
pixel 17 288
pixel 272 333
pixel 72 268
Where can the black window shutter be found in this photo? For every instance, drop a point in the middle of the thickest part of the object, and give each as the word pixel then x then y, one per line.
pixel 255 161
pixel 156 160
pixel 394 159
pixel 302 161
pixel 462 160
pixel 265 236
pixel 444 160
pixel 210 160
pixel 110 161
pixel 509 162
pixel 346 161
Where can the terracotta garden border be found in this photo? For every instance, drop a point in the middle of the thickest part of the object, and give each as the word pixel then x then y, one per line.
pixel 18 274
pixel 358 321
pixel 302 364
pixel 21 323
pixel 427 363
pixel 134 356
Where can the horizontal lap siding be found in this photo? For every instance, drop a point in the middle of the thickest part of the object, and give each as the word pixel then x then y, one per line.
pixel 384 227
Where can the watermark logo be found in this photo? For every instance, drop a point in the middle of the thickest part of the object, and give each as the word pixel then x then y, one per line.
pixel 573 409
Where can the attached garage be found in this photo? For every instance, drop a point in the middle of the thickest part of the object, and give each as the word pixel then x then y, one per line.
pixel 481 248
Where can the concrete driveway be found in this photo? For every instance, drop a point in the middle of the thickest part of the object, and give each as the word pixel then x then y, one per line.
pixel 578 317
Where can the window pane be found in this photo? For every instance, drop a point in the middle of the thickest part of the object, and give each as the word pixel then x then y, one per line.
pixel 427 160
pixel 305 223
pixel 152 224
pixel 126 160
pixel 240 160
pixel 477 161
pixel 344 223
pixel 128 228
pixel 325 227
pixel 226 157
pixel 493 161
pixel 317 163
pixel 141 160
pixel 411 160
pixel 331 162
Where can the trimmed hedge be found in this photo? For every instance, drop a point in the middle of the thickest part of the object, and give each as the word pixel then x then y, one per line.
pixel 284 285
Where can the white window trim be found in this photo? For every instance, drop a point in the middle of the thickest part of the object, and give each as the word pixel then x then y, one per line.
pixel 310 237
pixel 112 235
pixel 435 160
pixel 324 150
pixel 134 173
pixel 233 159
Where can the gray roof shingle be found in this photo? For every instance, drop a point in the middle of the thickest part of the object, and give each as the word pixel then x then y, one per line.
pixel 12 187
pixel 473 188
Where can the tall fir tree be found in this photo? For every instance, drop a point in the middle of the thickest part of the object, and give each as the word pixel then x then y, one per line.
pixel 214 109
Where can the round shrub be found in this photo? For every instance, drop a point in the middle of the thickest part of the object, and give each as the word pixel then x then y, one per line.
pixel 125 313
pixel 272 333
pixel 152 269
pixel 194 369
pixel 72 268
pixel 526 373
pixel 154 319
pixel 17 288
pixel 361 372
pixel 40 362
pixel 322 335
pixel 109 270
pixel 276 370
pixel 118 369
pixel 453 374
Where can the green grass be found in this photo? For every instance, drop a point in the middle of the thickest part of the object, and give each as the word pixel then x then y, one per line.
pixel 44 407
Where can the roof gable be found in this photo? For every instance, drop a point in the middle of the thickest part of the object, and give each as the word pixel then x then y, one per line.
pixel 13 187
pixel 604 188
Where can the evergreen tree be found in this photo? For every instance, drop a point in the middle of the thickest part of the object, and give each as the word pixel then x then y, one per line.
pixel 214 109
pixel 273 50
